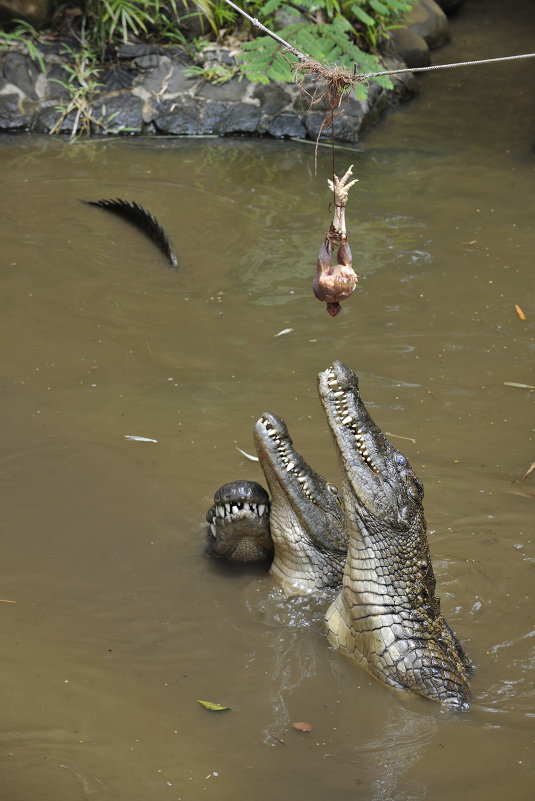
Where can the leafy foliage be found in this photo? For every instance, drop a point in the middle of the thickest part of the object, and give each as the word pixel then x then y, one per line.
pixel 120 19
pixel 81 84
pixel 25 35
pixel 331 32
pixel 345 33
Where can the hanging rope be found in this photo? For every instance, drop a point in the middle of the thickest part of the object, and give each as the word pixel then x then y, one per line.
pixel 475 63
pixel 363 77
pixel 339 80
pixel 335 83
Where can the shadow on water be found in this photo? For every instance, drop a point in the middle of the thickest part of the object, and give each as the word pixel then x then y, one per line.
pixel 120 623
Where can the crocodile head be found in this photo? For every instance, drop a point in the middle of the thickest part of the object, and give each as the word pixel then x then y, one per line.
pixel 387 616
pixel 238 523
pixel 382 485
pixel 306 518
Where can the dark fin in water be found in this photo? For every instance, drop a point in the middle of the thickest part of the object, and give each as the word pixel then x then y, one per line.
pixel 141 218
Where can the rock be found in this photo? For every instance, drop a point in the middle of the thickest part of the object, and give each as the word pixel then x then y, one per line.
pixel 428 20
pixel 273 97
pixel 147 89
pixel 229 118
pixel 212 52
pixel 11 114
pixel 180 116
pixel 58 79
pixel 412 47
pixel 120 111
pixel 234 90
pixel 147 62
pixel 19 70
pixel 166 79
pixel 48 116
pixel 36 12
pixel 282 126
pixel 135 51
pixel 118 77
pixel 450 6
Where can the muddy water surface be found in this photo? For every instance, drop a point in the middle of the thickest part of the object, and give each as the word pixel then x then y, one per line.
pixel 119 622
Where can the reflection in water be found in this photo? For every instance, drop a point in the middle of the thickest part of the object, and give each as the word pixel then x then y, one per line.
pixel 389 757
pixel 291 639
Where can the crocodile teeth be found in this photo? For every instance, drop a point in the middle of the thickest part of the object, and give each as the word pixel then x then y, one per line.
pixel 213 530
pixel 221 511
pixel 246 506
pixel 261 509
pixel 235 510
pixel 290 467
pixel 347 420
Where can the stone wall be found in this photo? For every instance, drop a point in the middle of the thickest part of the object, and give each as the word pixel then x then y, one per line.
pixel 147 90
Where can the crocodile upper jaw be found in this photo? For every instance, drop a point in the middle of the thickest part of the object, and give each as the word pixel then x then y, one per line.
pixel 307 522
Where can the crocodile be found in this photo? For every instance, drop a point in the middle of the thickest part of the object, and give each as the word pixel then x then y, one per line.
pixel 304 519
pixel 386 616
pixel 238 523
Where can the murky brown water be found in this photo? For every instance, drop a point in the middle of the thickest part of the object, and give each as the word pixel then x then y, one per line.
pixel 120 623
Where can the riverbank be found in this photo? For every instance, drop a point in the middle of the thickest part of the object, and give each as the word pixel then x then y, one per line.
pixel 149 90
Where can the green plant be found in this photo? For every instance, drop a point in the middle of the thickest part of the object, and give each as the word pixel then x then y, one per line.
pixel 374 18
pixel 341 32
pixel 82 84
pixel 166 20
pixel 214 73
pixel 122 16
pixel 26 36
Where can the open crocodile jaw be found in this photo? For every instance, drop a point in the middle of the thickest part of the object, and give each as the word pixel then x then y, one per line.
pixel 387 617
pixel 307 522
pixel 377 477
pixel 238 523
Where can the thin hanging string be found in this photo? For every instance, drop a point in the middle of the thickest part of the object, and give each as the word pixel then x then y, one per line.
pixel 448 66
pixel 358 78
pixel 333 153
pixel 300 56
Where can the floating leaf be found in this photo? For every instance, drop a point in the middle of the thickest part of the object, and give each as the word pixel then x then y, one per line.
pixel 520 386
pixel 212 707
pixel 520 312
pixel 248 455
pixel 400 436
pixel 302 727
pixel 284 331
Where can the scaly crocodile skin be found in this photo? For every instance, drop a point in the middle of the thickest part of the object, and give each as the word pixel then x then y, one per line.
pixel 387 617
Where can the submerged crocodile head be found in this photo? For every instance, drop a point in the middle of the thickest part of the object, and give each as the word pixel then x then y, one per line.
pixel 306 518
pixel 238 523
pixel 387 616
